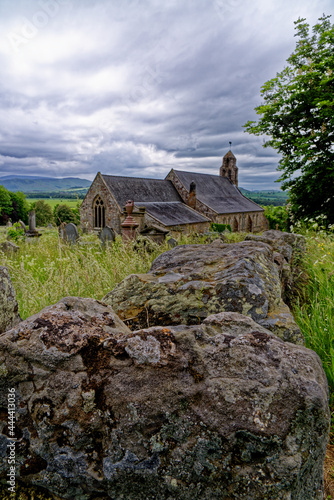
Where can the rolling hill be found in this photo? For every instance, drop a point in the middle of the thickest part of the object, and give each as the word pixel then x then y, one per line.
pixel 33 184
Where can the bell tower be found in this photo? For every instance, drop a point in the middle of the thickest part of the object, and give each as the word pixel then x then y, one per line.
pixel 229 168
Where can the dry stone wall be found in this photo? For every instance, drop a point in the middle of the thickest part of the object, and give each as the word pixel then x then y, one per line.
pixel 218 408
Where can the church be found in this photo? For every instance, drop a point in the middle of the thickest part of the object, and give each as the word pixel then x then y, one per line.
pixel 183 202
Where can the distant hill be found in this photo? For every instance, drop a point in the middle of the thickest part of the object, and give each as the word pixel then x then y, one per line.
pixel 33 184
pixel 269 197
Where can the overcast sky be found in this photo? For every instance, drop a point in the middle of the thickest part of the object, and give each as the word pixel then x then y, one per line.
pixel 137 87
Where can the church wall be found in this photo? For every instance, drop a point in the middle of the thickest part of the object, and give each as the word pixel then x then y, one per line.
pixel 112 213
pixel 244 221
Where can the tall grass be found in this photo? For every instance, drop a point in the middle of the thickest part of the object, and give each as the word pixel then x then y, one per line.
pixel 314 312
pixel 47 269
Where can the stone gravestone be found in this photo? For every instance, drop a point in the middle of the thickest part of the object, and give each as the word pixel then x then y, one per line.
pixel 172 243
pixel 71 232
pixel 107 236
pixel 32 231
pixel 23 226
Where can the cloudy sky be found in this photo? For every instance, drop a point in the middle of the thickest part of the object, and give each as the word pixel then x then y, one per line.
pixel 137 87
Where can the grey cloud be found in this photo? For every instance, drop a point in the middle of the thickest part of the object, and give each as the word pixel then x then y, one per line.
pixel 138 87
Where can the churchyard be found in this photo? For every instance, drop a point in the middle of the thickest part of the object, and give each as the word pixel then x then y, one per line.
pixel 55 265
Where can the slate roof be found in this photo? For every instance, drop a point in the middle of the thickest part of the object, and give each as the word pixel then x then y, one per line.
pixel 140 189
pixel 173 213
pixel 218 193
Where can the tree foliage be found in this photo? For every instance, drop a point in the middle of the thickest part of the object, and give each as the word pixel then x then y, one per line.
pixel 13 206
pixel 64 213
pixel 43 211
pixel 20 207
pixel 297 116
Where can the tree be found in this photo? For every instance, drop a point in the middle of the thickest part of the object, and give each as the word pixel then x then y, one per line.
pixel 5 205
pixel 20 207
pixel 64 213
pixel 297 116
pixel 43 211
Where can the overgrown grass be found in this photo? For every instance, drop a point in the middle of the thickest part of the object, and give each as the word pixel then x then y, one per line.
pixel 314 312
pixel 48 269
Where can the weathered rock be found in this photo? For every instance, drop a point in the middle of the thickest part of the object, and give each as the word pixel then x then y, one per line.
pixel 190 282
pixel 9 247
pixel 288 249
pixel 9 315
pixel 222 410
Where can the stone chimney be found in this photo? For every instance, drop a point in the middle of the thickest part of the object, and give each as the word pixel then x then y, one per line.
pixel 192 195
pixel 229 168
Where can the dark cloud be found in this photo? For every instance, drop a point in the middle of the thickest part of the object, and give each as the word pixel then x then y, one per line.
pixel 138 87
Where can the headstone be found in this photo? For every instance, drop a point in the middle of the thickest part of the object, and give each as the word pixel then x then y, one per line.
pixel 172 242
pixel 107 236
pixel 9 224
pixel 72 233
pixel 61 231
pixel 50 226
pixel 23 226
pixel 32 232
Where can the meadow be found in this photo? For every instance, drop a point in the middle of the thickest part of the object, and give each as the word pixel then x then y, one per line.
pixel 71 202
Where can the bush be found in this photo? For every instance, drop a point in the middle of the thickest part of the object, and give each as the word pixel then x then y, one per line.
pixel 220 228
pixel 43 210
pixel 278 217
pixel 15 233
pixel 63 213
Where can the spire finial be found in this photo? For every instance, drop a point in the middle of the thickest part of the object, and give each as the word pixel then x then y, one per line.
pixel 230 143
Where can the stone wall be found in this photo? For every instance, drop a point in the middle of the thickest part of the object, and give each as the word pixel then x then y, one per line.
pixel 244 222
pixel 112 212
pixel 213 405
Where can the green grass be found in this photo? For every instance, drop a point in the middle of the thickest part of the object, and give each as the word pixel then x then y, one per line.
pixel 47 269
pixel 314 311
pixel 72 203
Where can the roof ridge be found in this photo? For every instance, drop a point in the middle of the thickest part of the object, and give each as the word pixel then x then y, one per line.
pixel 130 177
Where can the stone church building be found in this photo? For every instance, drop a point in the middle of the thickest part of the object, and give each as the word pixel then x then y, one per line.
pixel 183 201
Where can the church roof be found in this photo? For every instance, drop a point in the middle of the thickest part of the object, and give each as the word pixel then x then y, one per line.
pixel 172 213
pixel 218 193
pixel 140 189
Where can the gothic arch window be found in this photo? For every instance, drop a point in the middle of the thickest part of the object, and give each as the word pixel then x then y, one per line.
pixel 230 174
pixel 249 224
pixel 235 225
pixel 99 213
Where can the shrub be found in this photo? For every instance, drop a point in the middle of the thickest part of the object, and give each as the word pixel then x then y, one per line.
pixel 220 228
pixel 43 210
pixel 63 213
pixel 278 217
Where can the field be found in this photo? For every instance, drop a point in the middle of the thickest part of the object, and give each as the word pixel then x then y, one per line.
pixel 72 203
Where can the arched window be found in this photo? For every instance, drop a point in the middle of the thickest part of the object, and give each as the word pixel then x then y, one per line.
pixel 249 224
pixel 230 174
pixel 235 225
pixel 99 213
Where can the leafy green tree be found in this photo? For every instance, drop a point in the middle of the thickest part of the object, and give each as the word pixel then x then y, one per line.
pixel 20 207
pixel 297 116
pixel 5 205
pixel 43 211
pixel 278 217
pixel 64 213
